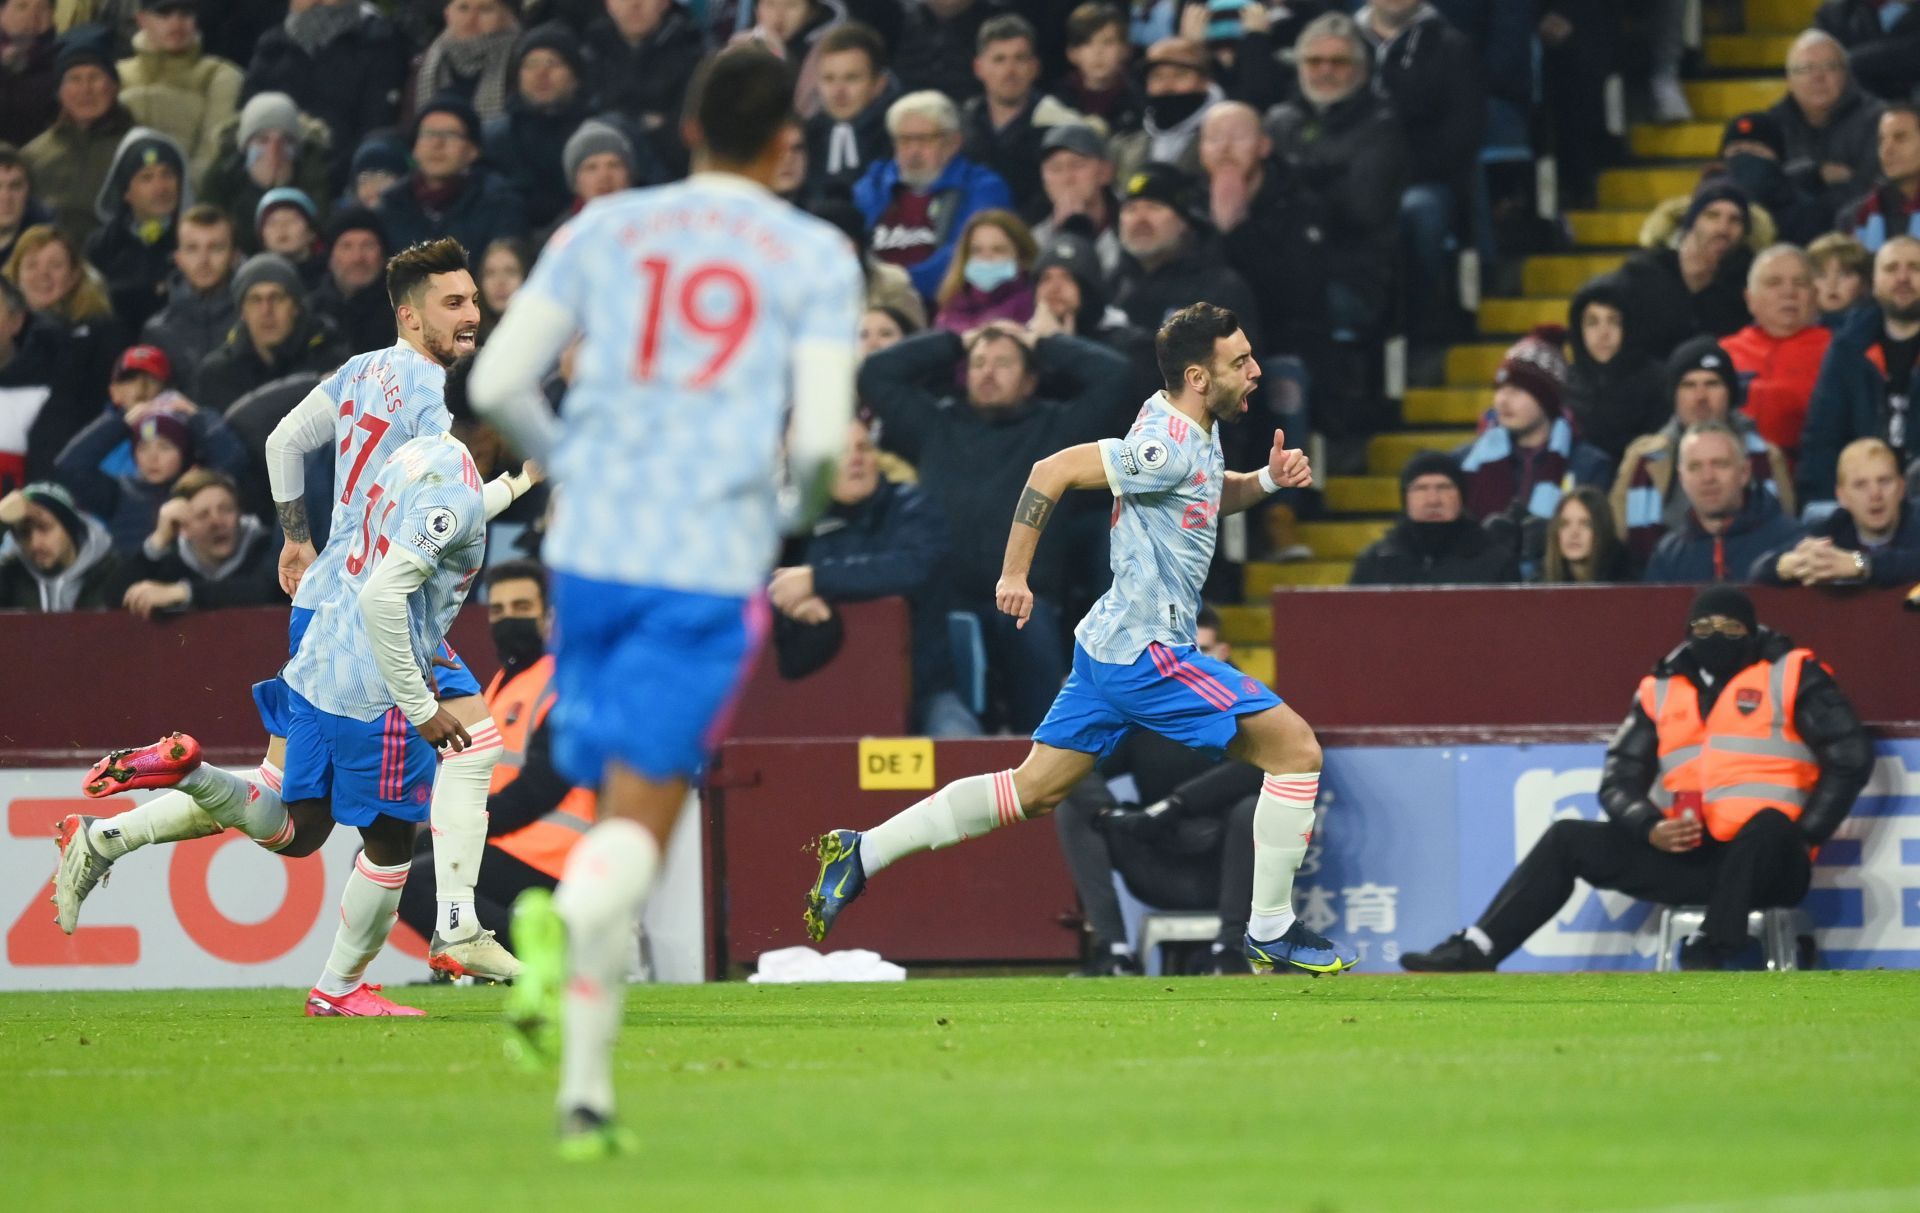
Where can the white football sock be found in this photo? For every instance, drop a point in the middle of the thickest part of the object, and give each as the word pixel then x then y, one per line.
pixel 171 816
pixel 252 807
pixel 459 823
pixel 965 808
pixel 602 888
pixel 368 905
pixel 1282 828
pixel 1479 939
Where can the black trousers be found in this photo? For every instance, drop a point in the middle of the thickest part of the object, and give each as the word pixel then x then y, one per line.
pixel 1220 880
pixel 502 878
pixel 1765 864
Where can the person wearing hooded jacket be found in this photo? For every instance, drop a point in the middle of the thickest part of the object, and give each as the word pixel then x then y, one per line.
pixel 1698 285
pixel 54 558
pixel 1733 827
pixel 1435 541
pixel 270 145
pixel 1615 389
pixel 139 208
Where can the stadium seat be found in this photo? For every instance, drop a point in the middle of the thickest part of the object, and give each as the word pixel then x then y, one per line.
pixel 969 647
pixel 1782 934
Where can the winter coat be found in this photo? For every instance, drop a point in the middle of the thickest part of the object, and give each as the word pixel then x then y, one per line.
pixel 1431 73
pixel 29 97
pixel 891 544
pixel 39 409
pixel 1885 61
pixel 1660 305
pixel 1849 401
pixel 365 318
pixel 248 577
pixel 188 326
pixel 1646 497
pixel 136 271
pixel 486 209
pixel 970 308
pixel 524 146
pixel 69 163
pixel 127 504
pixel 975 462
pixel 836 161
pixel 1178 145
pixel 84 585
pixel 236 368
pixel 352 84
pixel 938 54
pixel 189 95
pixel 1896 563
pixel 1450 553
pixel 647 82
pixel 1777 375
pixel 1880 213
pixel 1661 228
pixel 1850 137
pixel 1613 402
pixel 1345 169
pixel 230 187
pixel 1688 555
pixel 1013 150
pixel 961 189
pixel 1121 108
pixel 252 418
pixel 1199 272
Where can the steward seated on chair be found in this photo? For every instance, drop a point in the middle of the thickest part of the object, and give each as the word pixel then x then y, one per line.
pixel 1739 757
pixel 1190 848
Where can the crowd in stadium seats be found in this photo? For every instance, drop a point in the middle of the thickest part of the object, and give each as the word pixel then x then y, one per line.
pixel 196 203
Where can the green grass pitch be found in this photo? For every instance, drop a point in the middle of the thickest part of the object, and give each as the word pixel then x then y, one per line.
pixel 1774 1093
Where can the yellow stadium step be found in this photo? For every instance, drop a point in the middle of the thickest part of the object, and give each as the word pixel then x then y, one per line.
pixel 1445 405
pixel 1474 365
pixel 1250 624
pixel 1388 453
pixel 1607 229
pixel 1256 661
pixel 1563 275
pixel 1263 577
pixel 1682 141
pixel 1362 494
pixel 1779 16
pixel 1719 100
pixel 1643 188
pixel 1519 315
pixel 1340 540
pixel 1759 52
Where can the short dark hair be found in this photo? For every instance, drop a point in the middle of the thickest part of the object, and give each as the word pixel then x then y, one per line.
pixel 1187 338
pixel 1901 107
pixel 409 269
pixel 206 214
pixel 199 479
pixel 741 99
pixel 1090 18
pixel 1207 617
pixel 519 570
pixel 993 332
pixel 10 157
pixel 855 36
pixel 1003 28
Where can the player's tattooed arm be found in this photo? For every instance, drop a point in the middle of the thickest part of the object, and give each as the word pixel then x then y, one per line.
pixel 293 520
pixel 1034 509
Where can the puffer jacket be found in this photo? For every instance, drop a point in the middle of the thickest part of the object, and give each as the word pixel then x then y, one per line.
pixel 190 95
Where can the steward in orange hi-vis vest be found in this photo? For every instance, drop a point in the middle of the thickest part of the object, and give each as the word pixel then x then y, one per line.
pixel 1739 757
pixel 520 706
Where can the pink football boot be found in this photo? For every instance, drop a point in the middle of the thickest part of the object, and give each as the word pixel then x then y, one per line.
pixel 160 765
pixel 363 1000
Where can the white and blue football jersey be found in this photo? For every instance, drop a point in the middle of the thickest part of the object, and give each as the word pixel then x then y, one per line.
pixel 382 400
pixel 690 299
pixel 1166 475
pixel 425 502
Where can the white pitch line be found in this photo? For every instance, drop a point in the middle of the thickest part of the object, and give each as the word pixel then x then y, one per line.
pixel 1880 1200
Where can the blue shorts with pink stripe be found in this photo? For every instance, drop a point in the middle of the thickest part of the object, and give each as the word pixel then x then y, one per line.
pixel 366 768
pixel 1178 692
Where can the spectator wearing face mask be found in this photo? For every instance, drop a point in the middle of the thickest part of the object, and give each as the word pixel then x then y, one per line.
pixel 991 275
pixel 1180 89
pixel 272 145
pixel 1753 153
pixel 1435 541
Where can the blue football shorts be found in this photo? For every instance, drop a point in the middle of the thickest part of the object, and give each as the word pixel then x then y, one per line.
pixel 1178 692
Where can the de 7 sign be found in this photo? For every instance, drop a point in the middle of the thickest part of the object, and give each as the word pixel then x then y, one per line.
pixel 215 911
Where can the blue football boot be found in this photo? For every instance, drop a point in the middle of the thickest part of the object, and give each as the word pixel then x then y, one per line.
pixel 1302 949
pixel 841 880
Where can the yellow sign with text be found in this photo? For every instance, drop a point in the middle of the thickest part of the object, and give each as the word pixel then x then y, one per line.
pixel 889 763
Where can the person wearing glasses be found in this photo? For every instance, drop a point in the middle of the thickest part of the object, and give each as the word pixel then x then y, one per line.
pixel 1739 757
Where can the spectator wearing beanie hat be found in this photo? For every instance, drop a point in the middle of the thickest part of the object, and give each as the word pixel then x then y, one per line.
pixel 271 145
pixel 1435 541
pixel 545 104
pixel 353 291
pixel 379 161
pixel 1070 296
pixel 1699 284
pixel 597 160
pixel 169 435
pixel 1518 467
pixel 342 63
pixel 172 83
pixel 450 193
pixel 288 223
pixel 278 334
pixel 29 86
pixel 140 374
pixel 1702 385
pixel 1753 153
pixel 139 209
pixel 57 558
pixel 70 160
